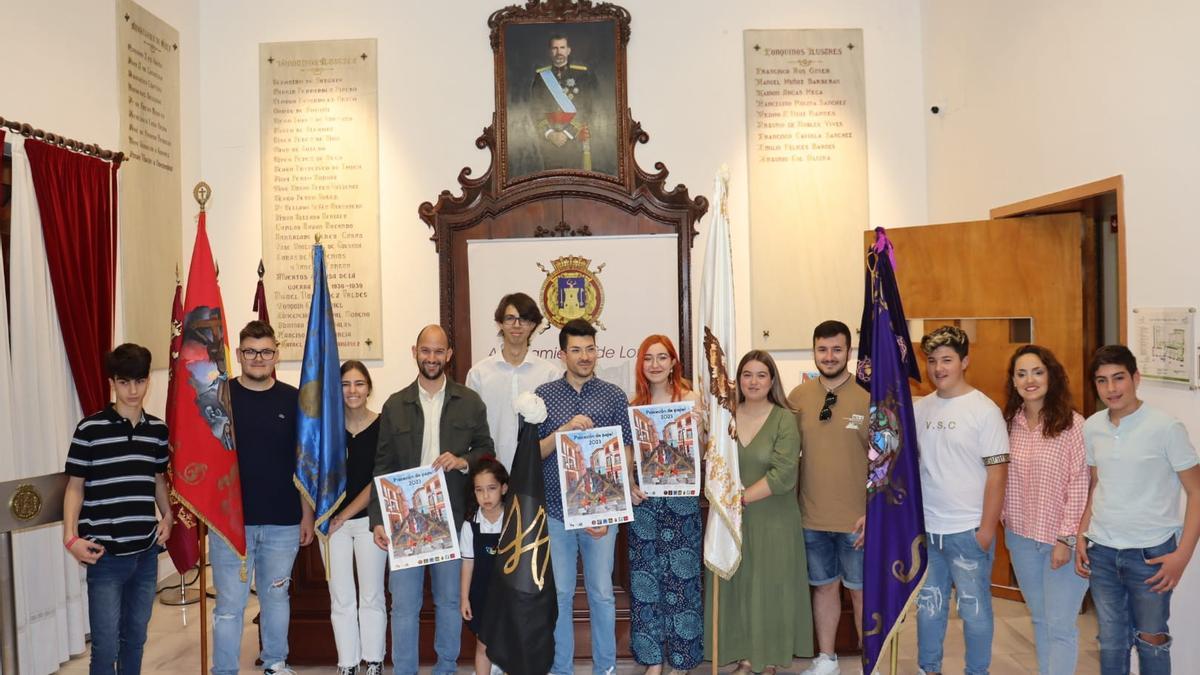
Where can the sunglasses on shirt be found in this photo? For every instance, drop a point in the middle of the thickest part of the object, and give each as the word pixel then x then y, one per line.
pixel 827 409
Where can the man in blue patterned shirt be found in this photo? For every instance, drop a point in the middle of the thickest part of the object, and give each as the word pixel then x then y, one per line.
pixel 580 400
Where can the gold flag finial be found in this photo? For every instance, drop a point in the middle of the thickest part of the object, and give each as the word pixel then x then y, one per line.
pixel 317 239
pixel 201 193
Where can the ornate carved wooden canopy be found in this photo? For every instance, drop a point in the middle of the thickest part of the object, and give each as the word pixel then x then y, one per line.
pixel 517 197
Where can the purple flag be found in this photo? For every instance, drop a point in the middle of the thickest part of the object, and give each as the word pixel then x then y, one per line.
pixel 895 552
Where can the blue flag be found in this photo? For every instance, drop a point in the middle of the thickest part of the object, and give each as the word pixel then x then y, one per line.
pixel 895 556
pixel 320 425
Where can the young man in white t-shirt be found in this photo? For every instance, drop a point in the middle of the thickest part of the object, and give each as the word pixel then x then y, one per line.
pixel 963 448
pixel 1138 539
pixel 513 370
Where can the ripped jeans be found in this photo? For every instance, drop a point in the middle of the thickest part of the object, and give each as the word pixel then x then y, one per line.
pixel 1125 606
pixel 270 552
pixel 956 559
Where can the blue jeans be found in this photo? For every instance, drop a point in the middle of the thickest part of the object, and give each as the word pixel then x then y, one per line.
pixel 566 547
pixel 270 553
pixel 956 559
pixel 408 593
pixel 832 556
pixel 1125 606
pixel 120 598
pixel 1053 598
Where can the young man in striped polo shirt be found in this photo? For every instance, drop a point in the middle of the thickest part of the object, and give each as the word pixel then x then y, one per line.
pixel 116 468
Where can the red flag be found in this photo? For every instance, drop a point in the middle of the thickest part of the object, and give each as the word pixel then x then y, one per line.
pixel 184 543
pixel 205 459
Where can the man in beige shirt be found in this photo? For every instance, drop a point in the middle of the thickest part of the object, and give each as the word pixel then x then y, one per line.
pixel 831 412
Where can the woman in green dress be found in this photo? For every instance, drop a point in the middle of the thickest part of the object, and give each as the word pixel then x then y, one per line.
pixel 765 616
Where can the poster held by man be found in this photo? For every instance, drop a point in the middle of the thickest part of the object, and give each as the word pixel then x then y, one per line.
pixel 592 476
pixel 418 517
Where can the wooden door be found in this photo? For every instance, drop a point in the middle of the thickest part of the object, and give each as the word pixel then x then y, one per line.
pixel 1006 282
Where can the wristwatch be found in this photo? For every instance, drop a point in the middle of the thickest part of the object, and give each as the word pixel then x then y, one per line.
pixel 1069 540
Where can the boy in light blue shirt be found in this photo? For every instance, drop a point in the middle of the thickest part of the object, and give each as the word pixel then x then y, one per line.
pixel 1139 540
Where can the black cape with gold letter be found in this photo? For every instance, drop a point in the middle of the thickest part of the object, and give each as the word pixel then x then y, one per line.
pixel 518 626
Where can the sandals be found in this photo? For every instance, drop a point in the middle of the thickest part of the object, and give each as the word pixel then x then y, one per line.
pixel 744 668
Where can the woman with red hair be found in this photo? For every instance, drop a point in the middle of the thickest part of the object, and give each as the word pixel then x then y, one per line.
pixel 664 540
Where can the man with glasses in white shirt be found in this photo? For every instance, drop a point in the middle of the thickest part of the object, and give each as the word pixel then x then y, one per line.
pixel 510 371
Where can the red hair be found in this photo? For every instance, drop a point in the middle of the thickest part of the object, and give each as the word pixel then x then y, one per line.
pixel 675 378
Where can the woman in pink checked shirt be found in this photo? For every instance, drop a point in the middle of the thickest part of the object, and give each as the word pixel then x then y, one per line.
pixel 1047 490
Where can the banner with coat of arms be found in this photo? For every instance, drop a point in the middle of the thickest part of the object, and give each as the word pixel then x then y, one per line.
pixel 626 286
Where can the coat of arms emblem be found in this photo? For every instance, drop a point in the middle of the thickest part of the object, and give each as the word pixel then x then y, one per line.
pixel 572 290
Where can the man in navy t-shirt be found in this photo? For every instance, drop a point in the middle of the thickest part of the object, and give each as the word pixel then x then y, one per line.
pixel 278 521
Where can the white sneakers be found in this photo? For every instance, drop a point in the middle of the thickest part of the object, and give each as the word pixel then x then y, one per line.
pixel 824 664
pixel 278 668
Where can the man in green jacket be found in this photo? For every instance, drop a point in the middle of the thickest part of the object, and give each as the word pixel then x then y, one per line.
pixel 439 423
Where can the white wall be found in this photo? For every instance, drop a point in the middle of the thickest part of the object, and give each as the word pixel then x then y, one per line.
pixel 1040 96
pixel 436 94
pixel 66 83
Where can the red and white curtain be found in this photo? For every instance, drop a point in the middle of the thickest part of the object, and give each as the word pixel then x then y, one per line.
pixel 61 298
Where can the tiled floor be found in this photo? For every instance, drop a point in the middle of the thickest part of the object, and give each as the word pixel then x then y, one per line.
pixel 174 646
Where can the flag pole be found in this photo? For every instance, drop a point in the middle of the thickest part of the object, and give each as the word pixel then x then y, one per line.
pixel 895 656
pixel 202 531
pixel 716 615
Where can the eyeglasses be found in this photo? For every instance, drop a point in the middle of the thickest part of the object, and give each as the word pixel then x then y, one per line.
pixel 251 354
pixel 827 409
pixel 510 320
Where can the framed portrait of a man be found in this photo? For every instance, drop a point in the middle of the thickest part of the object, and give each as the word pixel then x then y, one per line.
pixel 560 94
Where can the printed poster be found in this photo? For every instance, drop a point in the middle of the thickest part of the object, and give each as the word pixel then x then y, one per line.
pixel 417 515
pixel 593 482
pixel 665 448
pixel 1165 343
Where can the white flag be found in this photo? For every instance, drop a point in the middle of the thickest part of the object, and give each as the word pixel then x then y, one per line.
pixel 715 359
